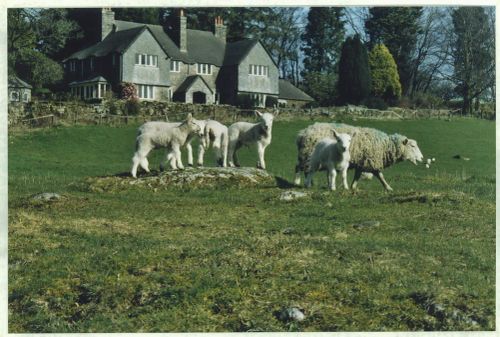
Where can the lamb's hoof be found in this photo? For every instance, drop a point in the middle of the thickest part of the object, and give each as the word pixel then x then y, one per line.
pixel 190 165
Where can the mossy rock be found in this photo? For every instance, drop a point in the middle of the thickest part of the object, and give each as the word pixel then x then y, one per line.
pixel 189 178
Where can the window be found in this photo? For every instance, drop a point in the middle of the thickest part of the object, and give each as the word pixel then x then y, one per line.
pixel 204 69
pixel 145 91
pixel 72 65
pixel 91 64
pixel 258 70
pixel 146 60
pixel 175 66
pixel 14 96
pixel 113 59
pixel 25 97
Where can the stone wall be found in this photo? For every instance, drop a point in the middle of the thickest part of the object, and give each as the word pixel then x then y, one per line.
pixel 114 112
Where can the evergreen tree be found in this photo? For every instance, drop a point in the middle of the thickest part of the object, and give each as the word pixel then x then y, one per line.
pixel 397 28
pixel 354 82
pixel 323 37
pixel 384 74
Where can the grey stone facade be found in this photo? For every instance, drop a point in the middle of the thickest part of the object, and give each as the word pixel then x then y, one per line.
pixel 114 59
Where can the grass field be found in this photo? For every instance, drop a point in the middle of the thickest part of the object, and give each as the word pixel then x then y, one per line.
pixel 206 260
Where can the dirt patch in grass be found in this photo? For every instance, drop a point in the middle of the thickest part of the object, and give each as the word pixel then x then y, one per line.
pixel 189 178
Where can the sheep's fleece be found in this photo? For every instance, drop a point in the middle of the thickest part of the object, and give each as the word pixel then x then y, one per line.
pixel 371 149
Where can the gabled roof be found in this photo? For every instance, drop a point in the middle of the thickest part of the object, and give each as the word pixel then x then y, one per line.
pixel 160 35
pixel 189 81
pixel 237 51
pixel 115 42
pixel 16 82
pixel 204 47
pixel 288 91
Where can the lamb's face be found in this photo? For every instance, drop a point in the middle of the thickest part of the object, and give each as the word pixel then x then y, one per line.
pixel 266 119
pixel 193 125
pixel 343 141
pixel 412 152
pixel 202 125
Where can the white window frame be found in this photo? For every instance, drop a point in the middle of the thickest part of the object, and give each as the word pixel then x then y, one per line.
pixel 146 60
pixel 145 91
pixel 72 66
pixel 204 69
pixel 258 70
pixel 175 66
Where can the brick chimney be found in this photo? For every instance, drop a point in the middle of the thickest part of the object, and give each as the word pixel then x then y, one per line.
pixel 220 29
pixel 107 22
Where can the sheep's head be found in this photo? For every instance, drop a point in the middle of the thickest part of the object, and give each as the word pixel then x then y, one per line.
pixel 192 125
pixel 411 151
pixel 202 124
pixel 343 140
pixel 266 120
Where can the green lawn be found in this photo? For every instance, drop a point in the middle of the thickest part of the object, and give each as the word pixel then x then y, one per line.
pixel 206 260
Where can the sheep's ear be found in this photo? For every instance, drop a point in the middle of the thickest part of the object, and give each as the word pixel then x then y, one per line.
pixel 405 141
pixel 335 134
pixel 189 116
pixel 258 113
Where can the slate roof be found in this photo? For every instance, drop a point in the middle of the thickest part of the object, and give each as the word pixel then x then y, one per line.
pixel 236 51
pixel 204 47
pixel 115 42
pixel 189 81
pixel 288 91
pixel 16 82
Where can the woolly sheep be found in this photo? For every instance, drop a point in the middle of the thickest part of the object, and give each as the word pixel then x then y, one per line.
pixel 217 135
pixel 332 155
pixel 163 135
pixel 371 150
pixel 158 126
pixel 243 133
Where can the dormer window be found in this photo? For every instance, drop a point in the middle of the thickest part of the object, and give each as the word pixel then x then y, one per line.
pixel 72 65
pixel 204 69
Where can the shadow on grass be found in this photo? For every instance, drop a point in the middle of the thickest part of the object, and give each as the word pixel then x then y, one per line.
pixel 283 183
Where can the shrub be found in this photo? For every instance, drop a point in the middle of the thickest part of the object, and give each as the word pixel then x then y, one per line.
pixel 127 90
pixel 245 101
pixel 132 106
pixel 384 74
pixel 375 103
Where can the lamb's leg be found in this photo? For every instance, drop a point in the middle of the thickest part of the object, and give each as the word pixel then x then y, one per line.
pixel 332 175
pixel 230 154
pixel 357 175
pixel 171 159
pixel 380 176
pixel 344 178
pixel 261 148
pixel 219 156
pixel 201 154
pixel 177 154
pixel 308 179
pixel 139 158
pixel 297 175
pixel 189 149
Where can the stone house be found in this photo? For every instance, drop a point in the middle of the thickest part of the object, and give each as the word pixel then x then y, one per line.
pixel 182 64
pixel 18 90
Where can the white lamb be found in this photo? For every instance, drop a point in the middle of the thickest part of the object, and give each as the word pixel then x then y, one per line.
pixel 244 133
pixel 331 155
pixel 163 135
pixel 217 135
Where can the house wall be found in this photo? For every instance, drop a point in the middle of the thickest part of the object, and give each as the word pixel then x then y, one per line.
pixel 198 85
pixel 18 94
pixel 258 84
pixel 141 74
pixel 227 83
